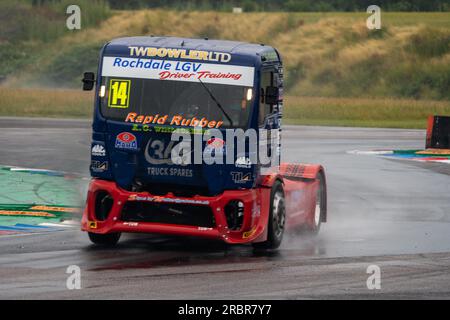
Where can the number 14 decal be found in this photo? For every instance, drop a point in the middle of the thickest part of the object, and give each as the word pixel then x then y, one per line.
pixel 119 93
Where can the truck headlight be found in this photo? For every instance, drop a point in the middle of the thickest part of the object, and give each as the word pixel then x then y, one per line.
pixel 234 213
pixel 103 205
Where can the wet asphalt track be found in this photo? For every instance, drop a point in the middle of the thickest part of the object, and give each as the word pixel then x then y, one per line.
pixel 392 213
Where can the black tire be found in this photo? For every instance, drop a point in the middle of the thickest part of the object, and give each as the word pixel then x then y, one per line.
pixel 109 239
pixel 321 205
pixel 277 219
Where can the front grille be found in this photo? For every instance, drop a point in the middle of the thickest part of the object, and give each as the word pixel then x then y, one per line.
pixel 176 190
pixel 170 213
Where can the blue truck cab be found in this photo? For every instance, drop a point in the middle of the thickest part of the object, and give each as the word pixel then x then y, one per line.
pixel 149 86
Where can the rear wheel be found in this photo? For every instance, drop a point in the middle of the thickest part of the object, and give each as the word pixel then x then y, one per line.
pixel 277 219
pixel 321 204
pixel 109 239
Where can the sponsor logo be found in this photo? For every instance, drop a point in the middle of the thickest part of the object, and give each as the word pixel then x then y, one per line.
pixel 204 229
pixel 216 143
pixel 214 146
pixel 241 177
pixel 135 197
pixel 98 150
pixel 176 120
pixel 248 234
pixel 56 209
pixel 99 166
pixel 167 70
pixel 256 211
pixel 200 75
pixel 26 213
pixel 243 162
pixel 147 128
pixel 158 152
pixel 131 224
pixel 126 140
pixel 271 56
pixel 189 54
pixel 172 172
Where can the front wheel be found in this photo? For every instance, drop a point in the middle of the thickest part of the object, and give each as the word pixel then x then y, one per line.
pixel 109 239
pixel 277 219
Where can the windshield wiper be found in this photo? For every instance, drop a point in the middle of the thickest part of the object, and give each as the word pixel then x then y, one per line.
pixel 217 102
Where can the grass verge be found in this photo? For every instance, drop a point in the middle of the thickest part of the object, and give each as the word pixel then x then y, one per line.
pixel 325 54
pixel 383 113
pixel 45 103
pixel 352 112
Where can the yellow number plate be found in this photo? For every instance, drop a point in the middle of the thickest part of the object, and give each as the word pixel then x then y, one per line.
pixel 119 93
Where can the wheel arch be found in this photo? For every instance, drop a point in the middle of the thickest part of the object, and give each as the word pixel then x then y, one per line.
pixel 306 172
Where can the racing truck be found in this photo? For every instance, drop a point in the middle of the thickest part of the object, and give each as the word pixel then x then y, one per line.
pixel 180 129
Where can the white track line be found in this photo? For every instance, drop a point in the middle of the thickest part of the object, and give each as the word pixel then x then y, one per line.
pixel 370 152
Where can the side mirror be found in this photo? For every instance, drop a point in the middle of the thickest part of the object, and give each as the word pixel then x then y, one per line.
pixel 272 95
pixel 88 81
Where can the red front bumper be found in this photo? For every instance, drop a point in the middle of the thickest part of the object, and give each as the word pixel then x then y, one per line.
pixel 253 228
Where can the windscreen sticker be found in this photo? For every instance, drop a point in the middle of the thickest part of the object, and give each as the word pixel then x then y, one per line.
pixel 177 71
pixel 119 93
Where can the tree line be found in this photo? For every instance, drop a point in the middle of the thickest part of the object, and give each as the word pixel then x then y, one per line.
pixel 274 5
pixel 285 5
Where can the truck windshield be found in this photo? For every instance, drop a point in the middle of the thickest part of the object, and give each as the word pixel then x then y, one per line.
pixel 177 101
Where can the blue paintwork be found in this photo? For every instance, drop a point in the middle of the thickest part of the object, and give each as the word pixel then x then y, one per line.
pixel 30 226
pixel 124 166
pixel 20 227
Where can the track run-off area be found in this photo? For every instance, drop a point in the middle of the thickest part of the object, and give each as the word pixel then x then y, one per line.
pixel 386 211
